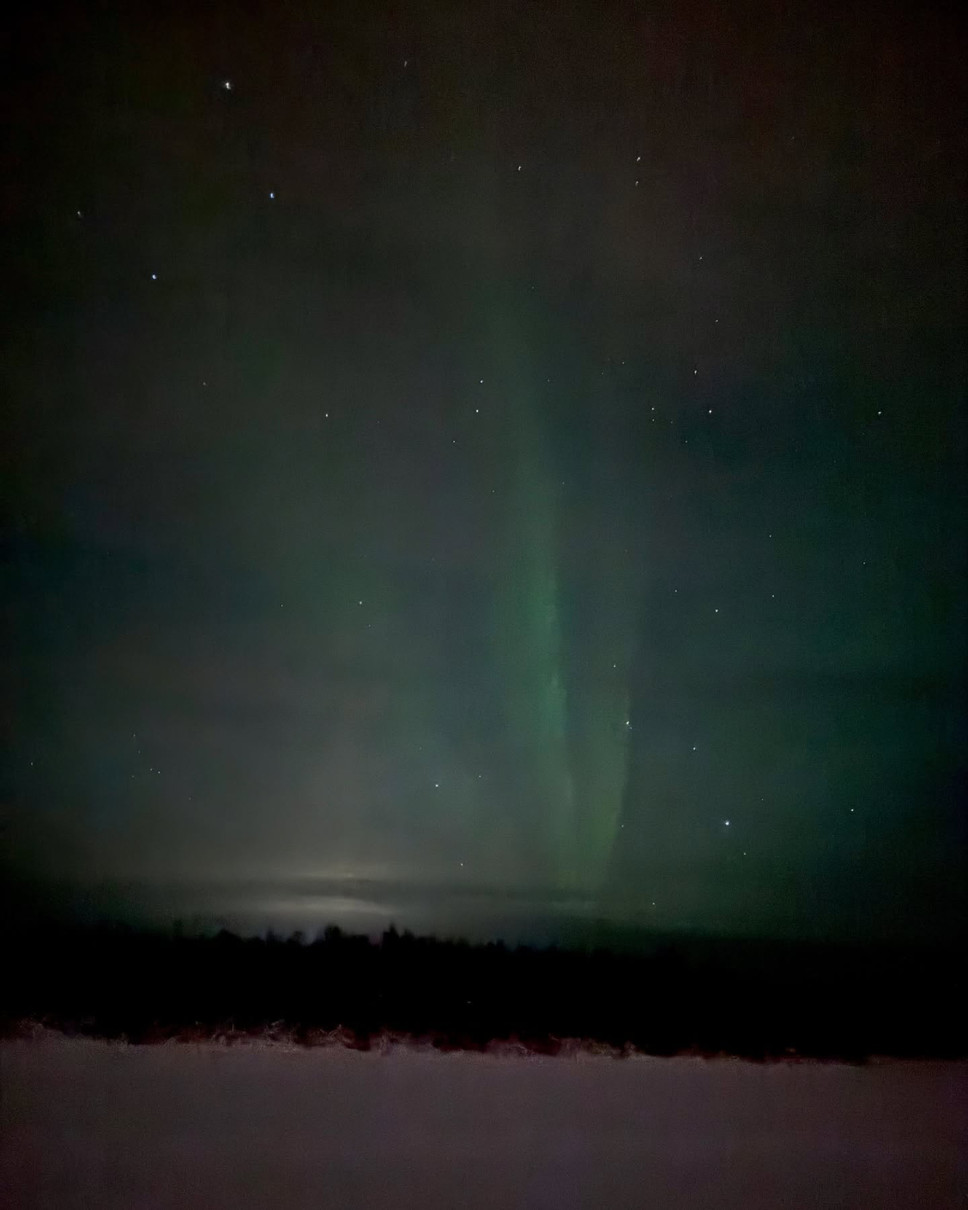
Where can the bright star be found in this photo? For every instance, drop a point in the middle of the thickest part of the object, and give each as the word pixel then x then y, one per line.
pixel 227 85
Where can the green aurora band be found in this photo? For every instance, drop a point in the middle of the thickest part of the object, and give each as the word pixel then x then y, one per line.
pixel 563 643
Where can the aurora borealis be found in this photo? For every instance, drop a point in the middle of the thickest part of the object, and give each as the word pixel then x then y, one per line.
pixel 508 451
pixel 566 710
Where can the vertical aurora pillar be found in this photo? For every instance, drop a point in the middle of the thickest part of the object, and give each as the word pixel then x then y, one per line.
pixel 565 614
pixel 530 647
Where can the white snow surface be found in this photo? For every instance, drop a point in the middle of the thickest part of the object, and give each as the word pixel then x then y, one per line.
pixel 88 1124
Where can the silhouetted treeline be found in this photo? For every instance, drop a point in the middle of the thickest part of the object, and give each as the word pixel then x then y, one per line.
pixel 755 999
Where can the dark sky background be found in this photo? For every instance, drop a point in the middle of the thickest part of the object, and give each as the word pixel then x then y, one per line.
pixel 494 446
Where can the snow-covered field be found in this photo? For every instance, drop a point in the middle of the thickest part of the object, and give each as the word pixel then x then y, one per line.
pixel 91 1124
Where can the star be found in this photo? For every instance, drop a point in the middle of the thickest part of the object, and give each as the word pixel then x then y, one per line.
pixel 271 194
pixel 154 277
pixel 726 823
pixel 227 85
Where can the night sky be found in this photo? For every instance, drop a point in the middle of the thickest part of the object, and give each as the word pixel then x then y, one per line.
pixel 503 446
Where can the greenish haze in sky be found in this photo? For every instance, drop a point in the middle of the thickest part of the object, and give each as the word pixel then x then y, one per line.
pixel 501 450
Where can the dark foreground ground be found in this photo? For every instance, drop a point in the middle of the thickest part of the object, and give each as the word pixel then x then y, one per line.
pixel 86 1123
pixel 689 995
